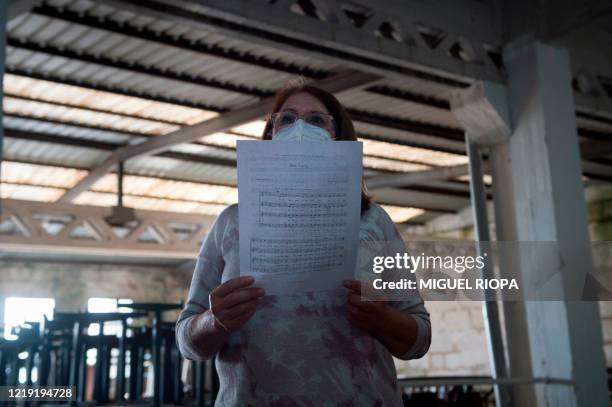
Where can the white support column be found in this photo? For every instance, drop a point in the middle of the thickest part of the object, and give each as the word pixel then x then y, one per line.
pixel 484 113
pixel 515 317
pixel 543 173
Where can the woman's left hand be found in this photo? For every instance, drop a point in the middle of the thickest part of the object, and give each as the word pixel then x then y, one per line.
pixel 363 314
pixel 396 330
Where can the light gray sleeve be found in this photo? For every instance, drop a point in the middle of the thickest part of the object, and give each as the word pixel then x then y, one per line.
pixel 413 306
pixel 206 277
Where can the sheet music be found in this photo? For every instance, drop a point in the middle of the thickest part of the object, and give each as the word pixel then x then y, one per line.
pixel 299 208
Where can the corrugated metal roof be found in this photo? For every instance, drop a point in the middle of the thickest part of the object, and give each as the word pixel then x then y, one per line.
pixel 93 41
pixel 112 102
pixel 175 190
pixel 30 193
pixel 63 178
pixel 51 154
pixel 20 173
pixel 414 154
pixel 401 136
pixel 597 125
pixel 88 72
pixel 375 103
pixel 149 183
pixel 420 87
pixel 173 168
pixel 173 28
pixel 43 110
pixel 67 130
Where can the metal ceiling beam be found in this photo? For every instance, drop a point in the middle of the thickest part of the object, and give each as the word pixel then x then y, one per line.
pixel 383 37
pixel 337 83
pixel 134 66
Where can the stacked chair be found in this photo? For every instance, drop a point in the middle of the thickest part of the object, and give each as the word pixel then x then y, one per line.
pixel 144 356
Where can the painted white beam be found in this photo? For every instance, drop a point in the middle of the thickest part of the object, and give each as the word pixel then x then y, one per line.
pixel 337 83
pixel 26 219
pixel 418 199
pixel 483 111
pixel 540 170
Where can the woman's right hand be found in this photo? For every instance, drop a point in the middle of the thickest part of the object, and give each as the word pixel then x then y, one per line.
pixel 233 303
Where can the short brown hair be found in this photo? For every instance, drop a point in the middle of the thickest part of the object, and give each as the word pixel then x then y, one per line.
pixel 343 124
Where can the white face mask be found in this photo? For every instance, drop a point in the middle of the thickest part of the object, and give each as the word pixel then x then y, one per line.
pixel 302 131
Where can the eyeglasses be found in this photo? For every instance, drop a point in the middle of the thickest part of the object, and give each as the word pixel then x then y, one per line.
pixel 281 120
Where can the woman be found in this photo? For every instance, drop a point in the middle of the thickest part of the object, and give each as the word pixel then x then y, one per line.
pixel 313 349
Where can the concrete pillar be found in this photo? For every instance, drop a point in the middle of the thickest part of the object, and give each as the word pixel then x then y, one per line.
pixel 540 166
pixel 484 113
pixel 515 316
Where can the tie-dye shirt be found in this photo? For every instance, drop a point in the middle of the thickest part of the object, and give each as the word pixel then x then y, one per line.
pixel 297 350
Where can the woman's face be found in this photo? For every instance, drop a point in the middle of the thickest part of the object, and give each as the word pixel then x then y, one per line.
pixel 302 104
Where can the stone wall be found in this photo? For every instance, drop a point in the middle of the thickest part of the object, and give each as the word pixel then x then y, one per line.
pixel 71 285
pixel 458 345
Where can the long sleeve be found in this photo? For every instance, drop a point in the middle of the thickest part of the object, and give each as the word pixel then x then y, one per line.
pixel 411 304
pixel 206 277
